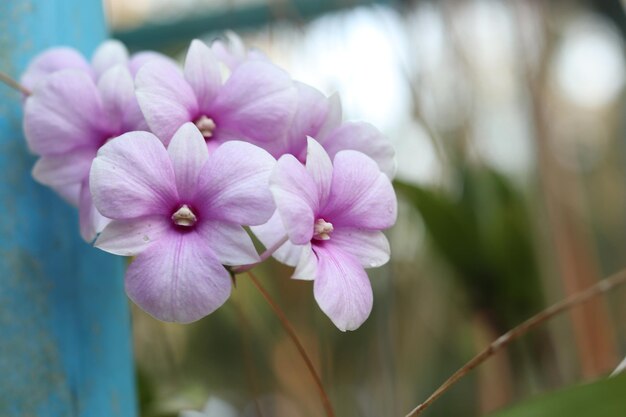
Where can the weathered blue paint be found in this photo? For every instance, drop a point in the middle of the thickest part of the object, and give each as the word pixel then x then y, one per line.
pixel 65 341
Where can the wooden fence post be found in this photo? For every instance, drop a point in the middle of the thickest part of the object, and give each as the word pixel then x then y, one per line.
pixel 65 340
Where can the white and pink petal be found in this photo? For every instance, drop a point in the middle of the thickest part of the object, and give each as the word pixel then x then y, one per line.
pixel 234 184
pixel 255 104
pixel 117 90
pixel 64 112
pixel 370 247
pixel 362 137
pixel 66 168
pixel 132 176
pixel 342 289
pixel 202 72
pixel 361 196
pixel 319 166
pixel 178 279
pixel 296 197
pixel 165 98
pixel 272 232
pixel 109 54
pixel 131 237
pixel 230 242
pixel 306 269
pixel 51 61
pixel 188 153
pixel 91 222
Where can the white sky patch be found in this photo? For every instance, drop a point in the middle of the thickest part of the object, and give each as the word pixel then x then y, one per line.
pixel 358 54
pixel 589 65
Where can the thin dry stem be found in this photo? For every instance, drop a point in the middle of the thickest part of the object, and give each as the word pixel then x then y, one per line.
pixel 292 334
pixel 601 287
pixel 264 256
pixel 5 78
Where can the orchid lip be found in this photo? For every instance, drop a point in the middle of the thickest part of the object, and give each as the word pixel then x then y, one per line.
pixel 206 125
pixel 322 229
pixel 184 216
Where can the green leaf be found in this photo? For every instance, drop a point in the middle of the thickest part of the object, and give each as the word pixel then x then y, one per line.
pixel 605 398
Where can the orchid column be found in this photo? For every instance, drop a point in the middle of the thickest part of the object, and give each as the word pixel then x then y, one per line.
pixel 65 343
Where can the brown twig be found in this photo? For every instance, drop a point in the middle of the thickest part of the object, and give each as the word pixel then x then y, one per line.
pixel 504 340
pixel 292 334
pixel 5 78
pixel 264 256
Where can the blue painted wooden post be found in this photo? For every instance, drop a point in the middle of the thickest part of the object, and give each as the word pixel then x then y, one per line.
pixel 65 341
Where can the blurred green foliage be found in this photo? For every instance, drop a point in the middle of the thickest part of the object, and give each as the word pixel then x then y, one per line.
pixel 604 398
pixel 484 233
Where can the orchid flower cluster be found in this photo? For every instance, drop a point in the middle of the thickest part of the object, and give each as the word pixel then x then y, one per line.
pixel 177 167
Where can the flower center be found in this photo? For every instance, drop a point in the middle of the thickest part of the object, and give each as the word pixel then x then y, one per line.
pixel 206 125
pixel 322 229
pixel 184 217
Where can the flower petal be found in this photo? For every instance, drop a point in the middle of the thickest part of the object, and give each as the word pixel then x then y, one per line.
pixel 342 289
pixel 90 220
pixel 69 192
pixel 361 196
pixel 132 176
pixel 272 232
pixel 320 168
pixel 296 198
pixel 139 59
pixel 307 264
pixel 333 117
pixel 203 73
pixel 371 248
pixel 363 137
pixel 188 153
pixel 230 242
pixel 311 113
pixel 231 51
pixel 51 61
pixel 67 168
pixel 256 104
pixel 64 112
pixel 233 184
pixel 109 54
pixel 117 90
pixel 178 279
pixel 131 237
pixel 165 97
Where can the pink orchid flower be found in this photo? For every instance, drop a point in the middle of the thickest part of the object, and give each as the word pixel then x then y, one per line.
pixel 66 120
pixel 333 215
pixel 254 104
pixel 316 116
pixel 109 54
pixel 232 52
pixel 180 212
pixel 320 117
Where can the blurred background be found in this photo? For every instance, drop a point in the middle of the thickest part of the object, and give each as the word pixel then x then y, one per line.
pixel 507 118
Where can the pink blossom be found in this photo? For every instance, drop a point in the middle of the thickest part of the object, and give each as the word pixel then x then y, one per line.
pixel 333 214
pixel 320 117
pixel 109 54
pixel 180 212
pixel 254 104
pixel 315 115
pixel 66 119
pixel 232 52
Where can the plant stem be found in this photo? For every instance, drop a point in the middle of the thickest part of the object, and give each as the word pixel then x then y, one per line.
pixel 620 368
pixel 292 334
pixel 601 287
pixel 268 252
pixel 5 78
